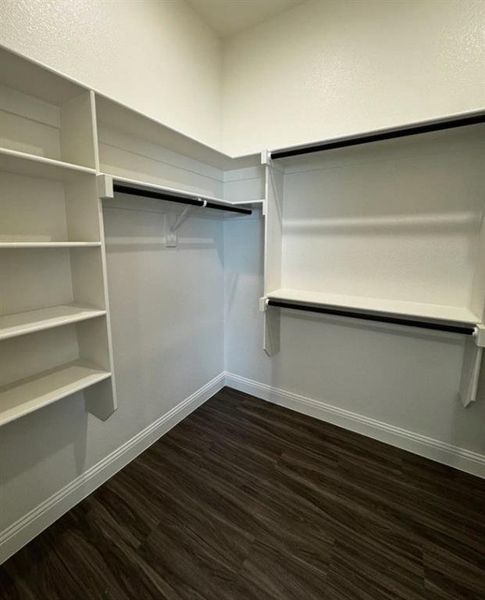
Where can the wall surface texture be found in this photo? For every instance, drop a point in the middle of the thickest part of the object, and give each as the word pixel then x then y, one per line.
pixel 324 68
pixel 157 57
pixel 335 67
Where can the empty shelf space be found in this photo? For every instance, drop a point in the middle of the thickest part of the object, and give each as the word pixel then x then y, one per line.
pixel 29 395
pixel 45 318
pixel 418 310
pixel 39 166
pixel 8 245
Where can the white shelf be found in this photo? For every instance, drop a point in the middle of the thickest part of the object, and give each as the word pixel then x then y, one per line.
pixel 419 310
pixel 248 203
pixel 38 166
pixel 29 395
pixel 116 116
pixel 153 187
pixel 36 79
pixel 45 318
pixel 9 245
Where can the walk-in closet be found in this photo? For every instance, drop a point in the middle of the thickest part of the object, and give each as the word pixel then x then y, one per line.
pixel 242 300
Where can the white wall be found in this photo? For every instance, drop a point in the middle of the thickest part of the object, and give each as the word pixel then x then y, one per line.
pixel 157 57
pixel 334 67
pixel 324 68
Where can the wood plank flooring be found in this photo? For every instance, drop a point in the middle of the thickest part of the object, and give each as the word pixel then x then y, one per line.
pixel 245 500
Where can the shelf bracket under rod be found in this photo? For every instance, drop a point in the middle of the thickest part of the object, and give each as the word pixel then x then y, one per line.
pixel 184 215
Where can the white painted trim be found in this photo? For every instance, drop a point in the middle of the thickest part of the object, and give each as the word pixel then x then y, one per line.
pixel 34 522
pixel 442 452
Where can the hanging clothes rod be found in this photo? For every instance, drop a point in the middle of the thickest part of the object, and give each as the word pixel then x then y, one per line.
pixel 385 134
pixel 340 312
pixel 190 200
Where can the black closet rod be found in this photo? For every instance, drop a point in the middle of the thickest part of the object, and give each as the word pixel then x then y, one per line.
pixel 366 138
pixel 192 201
pixel 341 312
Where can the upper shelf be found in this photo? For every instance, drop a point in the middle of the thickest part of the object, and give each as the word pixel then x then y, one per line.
pixel 133 187
pixel 416 310
pixel 451 122
pixel 39 166
pixel 115 115
pixel 30 77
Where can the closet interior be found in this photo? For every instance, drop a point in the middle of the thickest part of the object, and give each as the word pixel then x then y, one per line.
pixel 385 228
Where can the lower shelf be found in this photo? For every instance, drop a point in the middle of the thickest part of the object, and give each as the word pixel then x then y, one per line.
pixel 418 310
pixel 29 395
pixel 45 318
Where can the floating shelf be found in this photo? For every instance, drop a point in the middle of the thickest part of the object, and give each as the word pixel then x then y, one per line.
pixel 38 166
pixel 45 318
pixel 11 245
pixel 29 395
pixel 417 310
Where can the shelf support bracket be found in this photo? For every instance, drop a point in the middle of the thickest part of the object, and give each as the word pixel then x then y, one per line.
pixel 472 362
pixel 470 373
pixel 265 157
pixel 171 229
pixel 104 184
pixel 180 219
pixel 271 341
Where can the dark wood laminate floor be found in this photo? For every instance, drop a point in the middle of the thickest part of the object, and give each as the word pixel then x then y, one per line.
pixel 248 501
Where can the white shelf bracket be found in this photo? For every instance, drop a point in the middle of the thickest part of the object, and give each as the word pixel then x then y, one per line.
pixel 263 304
pixel 104 185
pixel 472 362
pixel 266 157
pixel 172 228
pixel 180 219
pixel 271 342
pixel 479 335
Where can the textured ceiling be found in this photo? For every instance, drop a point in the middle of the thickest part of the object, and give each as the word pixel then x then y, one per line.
pixel 228 17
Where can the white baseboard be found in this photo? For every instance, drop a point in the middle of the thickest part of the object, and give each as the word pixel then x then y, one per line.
pixel 442 452
pixel 34 522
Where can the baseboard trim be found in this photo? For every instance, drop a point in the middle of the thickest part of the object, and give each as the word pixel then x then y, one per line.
pixel 34 522
pixel 441 452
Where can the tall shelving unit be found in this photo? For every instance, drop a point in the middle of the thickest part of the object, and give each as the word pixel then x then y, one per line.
pixel 62 148
pixel 386 226
pixel 54 315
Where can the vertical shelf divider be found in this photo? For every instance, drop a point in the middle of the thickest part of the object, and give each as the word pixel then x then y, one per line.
pixel 101 400
pixel 273 237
